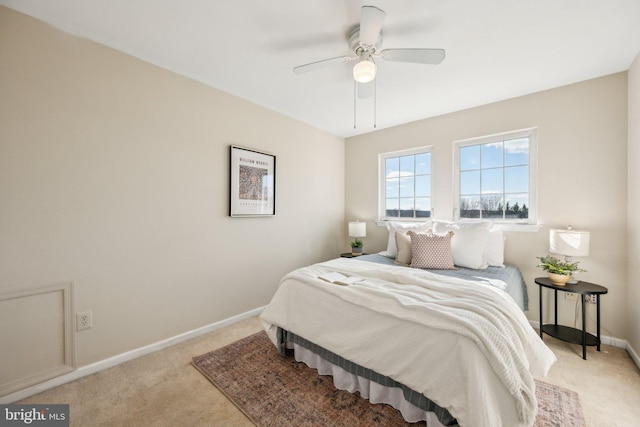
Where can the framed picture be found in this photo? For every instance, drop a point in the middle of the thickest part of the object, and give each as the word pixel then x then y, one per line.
pixel 253 183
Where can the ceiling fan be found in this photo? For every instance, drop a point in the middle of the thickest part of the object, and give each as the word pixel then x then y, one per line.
pixel 365 42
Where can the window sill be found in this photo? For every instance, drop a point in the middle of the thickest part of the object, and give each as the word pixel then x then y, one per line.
pixel 383 222
pixel 524 228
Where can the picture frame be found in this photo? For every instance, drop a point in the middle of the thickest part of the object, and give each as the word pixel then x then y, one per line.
pixel 252 189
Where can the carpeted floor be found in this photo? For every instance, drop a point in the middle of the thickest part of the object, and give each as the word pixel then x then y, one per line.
pixel 276 391
pixel 163 389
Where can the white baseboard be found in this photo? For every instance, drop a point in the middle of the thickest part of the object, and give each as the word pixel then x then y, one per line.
pixel 83 371
pixel 633 354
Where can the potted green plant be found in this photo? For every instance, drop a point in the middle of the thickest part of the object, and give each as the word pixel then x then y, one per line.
pixel 559 272
pixel 356 247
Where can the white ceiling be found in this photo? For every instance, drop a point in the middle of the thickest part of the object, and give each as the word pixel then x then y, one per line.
pixel 496 49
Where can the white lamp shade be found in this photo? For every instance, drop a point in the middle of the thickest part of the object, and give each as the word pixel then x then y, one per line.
pixel 569 242
pixel 357 229
pixel 364 71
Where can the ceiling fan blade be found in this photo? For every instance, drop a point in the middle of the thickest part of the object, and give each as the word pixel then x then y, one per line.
pixel 371 20
pixel 300 69
pixel 418 56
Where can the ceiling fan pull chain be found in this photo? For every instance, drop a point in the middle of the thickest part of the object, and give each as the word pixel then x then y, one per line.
pixel 355 85
pixel 375 111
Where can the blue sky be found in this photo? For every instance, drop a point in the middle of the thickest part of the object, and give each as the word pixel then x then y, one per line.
pixel 496 168
pixel 406 178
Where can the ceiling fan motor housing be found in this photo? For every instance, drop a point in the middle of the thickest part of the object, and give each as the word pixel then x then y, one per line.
pixel 363 51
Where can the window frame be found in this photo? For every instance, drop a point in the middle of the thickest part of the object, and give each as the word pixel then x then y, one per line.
pixel 382 157
pixel 532 135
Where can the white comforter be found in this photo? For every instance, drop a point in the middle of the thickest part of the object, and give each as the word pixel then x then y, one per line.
pixel 467 346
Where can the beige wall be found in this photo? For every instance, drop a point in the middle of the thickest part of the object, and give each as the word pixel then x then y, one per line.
pixel 633 224
pixel 114 175
pixel 582 179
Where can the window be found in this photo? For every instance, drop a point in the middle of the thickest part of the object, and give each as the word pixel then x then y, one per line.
pixel 495 177
pixel 405 184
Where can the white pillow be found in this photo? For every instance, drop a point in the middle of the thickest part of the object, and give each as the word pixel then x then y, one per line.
pixel 469 242
pixel 494 251
pixel 392 250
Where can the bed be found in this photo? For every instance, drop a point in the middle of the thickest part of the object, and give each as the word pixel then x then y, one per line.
pixel 446 347
pixel 506 277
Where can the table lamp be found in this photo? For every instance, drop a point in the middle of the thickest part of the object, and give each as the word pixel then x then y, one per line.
pixel 569 243
pixel 357 229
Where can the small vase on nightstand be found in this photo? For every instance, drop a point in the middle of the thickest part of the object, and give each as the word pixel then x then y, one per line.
pixel 356 247
pixel 559 272
pixel 559 279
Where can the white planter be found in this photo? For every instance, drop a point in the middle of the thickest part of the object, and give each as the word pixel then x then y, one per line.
pixel 559 279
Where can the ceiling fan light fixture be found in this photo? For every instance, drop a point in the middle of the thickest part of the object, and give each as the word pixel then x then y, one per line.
pixel 364 71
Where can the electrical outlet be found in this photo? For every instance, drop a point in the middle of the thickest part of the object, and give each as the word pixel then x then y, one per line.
pixel 84 320
pixel 570 296
pixel 591 299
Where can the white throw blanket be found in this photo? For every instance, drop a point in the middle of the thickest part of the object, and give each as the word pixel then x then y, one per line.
pixel 420 303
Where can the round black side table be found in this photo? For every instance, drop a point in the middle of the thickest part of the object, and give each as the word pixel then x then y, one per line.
pixel 566 333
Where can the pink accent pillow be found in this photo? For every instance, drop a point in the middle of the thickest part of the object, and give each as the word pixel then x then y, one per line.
pixel 433 251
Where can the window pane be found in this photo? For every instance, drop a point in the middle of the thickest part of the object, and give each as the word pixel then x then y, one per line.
pixel 517 206
pixel 423 164
pixel 492 181
pixel 470 207
pixel 492 155
pixel 406 208
pixel 392 167
pixel 516 179
pixel 492 206
pixel 393 188
pixel 423 185
pixel 516 152
pixel 470 182
pixel 407 165
pixel 406 187
pixel 423 207
pixel 407 177
pixel 392 208
pixel 470 157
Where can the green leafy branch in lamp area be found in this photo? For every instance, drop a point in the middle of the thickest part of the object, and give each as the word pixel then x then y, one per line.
pixel 554 265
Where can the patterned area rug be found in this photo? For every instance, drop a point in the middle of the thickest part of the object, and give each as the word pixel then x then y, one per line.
pixel 278 391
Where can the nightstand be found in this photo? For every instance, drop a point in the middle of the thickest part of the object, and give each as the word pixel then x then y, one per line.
pixel 566 333
pixel 350 255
